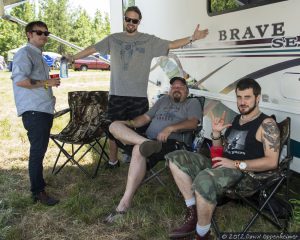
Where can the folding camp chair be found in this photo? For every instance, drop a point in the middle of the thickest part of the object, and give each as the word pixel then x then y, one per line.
pixel 152 171
pixel 85 127
pixel 259 190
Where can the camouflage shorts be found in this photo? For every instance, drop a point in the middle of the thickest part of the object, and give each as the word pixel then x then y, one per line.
pixel 209 183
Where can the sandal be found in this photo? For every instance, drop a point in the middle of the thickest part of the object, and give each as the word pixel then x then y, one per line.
pixel 113 216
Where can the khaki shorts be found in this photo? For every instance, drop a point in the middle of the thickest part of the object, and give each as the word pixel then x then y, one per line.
pixel 209 183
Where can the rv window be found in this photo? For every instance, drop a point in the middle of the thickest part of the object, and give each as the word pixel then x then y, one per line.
pixel 127 3
pixel 224 6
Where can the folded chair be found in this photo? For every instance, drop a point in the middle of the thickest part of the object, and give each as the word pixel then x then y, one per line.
pixel 87 118
pixel 260 190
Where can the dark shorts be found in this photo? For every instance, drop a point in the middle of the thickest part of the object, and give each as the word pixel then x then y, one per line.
pixel 167 147
pixel 126 108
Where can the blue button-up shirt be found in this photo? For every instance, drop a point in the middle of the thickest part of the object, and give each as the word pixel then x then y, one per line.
pixel 28 63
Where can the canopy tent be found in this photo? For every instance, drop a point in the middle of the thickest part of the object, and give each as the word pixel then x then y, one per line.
pixel 51 58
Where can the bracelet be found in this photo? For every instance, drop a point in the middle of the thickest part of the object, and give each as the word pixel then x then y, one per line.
pixel 191 39
pixel 46 86
pixel 237 164
pixel 215 138
pixel 130 123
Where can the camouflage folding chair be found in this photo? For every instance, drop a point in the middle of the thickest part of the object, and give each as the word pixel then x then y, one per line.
pixel 260 190
pixel 86 127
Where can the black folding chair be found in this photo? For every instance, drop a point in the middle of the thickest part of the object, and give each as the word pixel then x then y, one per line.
pixel 259 190
pixel 155 173
pixel 85 127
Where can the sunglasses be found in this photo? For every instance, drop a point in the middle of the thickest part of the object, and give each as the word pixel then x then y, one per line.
pixel 40 33
pixel 132 20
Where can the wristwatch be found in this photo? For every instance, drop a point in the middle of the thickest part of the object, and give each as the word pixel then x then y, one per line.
pixel 241 165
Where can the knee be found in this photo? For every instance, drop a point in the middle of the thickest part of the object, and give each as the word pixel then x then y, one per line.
pixel 205 186
pixel 113 127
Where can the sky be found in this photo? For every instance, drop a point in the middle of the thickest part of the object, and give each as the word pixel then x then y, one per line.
pixel 92 5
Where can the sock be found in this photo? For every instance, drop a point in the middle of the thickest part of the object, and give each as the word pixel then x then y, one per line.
pixel 113 163
pixel 190 202
pixel 202 230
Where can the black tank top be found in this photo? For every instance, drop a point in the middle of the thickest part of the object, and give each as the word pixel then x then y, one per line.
pixel 240 140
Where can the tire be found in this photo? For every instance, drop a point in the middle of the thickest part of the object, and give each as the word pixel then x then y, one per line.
pixel 83 68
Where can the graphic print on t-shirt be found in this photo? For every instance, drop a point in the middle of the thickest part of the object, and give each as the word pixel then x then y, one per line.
pixel 235 143
pixel 168 113
pixel 128 50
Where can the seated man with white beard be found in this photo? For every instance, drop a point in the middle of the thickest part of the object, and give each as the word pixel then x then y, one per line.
pixel 170 116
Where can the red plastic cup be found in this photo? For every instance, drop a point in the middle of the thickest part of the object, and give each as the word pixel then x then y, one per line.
pixel 54 75
pixel 215 151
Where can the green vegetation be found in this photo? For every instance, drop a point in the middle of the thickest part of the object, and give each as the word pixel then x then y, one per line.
pixel 221 5
pixel 71 24
pixel 86 202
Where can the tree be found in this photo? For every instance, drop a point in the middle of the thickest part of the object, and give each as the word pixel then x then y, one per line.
pixel 73 25
pixel 82 30
pixel 221 5
pixel 12 35
pixel 57 16
pixel 101 26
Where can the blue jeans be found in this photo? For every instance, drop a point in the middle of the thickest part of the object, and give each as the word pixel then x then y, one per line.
pixel 38 126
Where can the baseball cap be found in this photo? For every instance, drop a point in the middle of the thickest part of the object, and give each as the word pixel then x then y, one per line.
pixel 178 79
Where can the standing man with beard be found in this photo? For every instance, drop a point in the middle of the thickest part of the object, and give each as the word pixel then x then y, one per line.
pixel 131 55
pixel 251 143
pixel 170 116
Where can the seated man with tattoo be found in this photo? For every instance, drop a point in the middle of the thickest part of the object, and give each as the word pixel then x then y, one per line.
pixel 251 143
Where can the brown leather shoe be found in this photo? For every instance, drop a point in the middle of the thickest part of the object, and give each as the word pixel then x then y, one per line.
pixel 189 225
pixel 43 198
pixel 205 237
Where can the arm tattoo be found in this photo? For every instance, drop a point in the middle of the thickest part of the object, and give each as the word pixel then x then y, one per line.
pixel 33 82
pixel 271 135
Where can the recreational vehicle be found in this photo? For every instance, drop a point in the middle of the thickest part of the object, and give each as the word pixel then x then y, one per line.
pixel 247 38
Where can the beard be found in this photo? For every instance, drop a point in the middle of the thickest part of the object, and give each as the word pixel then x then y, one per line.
pixel 177 97
pixel 130 30
pixel 251 109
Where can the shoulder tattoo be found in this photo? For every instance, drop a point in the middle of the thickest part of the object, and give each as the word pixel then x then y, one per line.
pixel 271 135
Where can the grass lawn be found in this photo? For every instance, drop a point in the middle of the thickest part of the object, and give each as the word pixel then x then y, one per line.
pixel 85 202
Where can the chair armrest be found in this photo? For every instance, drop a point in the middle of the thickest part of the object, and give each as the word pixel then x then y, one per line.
pixel 284 163
pixel 61 112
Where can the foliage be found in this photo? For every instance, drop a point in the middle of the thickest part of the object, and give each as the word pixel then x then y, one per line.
pixel 12 35
pixel 221 5
pixel 128 3
pixel 70 24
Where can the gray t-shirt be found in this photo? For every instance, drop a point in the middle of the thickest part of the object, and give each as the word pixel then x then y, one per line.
pixel 29 63
pixel 131 58
pixel 166 112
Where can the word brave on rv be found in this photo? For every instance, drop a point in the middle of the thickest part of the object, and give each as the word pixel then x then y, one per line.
pixel 259 31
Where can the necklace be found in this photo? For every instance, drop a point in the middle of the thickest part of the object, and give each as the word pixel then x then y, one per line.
pixel 243 121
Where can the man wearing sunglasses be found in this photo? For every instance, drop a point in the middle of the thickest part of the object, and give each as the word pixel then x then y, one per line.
pixel 131 55
pixel 35 103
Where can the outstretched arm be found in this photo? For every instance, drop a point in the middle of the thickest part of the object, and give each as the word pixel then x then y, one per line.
pixel 82 54
pixel 197 35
